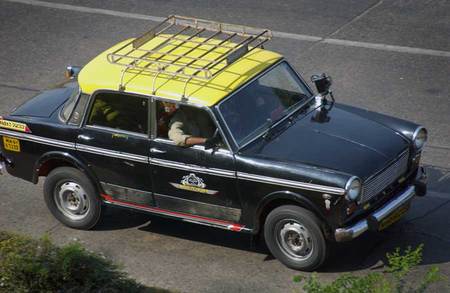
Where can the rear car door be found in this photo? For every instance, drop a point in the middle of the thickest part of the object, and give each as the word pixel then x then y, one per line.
pixel 114 142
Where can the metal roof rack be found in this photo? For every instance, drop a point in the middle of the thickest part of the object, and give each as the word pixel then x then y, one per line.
pixel 181 40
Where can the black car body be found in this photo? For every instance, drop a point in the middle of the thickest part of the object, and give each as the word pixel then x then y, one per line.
pixel 309 159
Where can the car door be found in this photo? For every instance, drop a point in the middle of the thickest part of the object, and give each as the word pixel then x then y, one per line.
pixel 195 181
pixel 114 142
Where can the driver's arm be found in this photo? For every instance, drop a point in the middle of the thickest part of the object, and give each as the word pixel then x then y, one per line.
pixel 193 140
pixel 177 134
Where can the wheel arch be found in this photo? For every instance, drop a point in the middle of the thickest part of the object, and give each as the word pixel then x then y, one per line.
pixel 54 159
pixel 280 198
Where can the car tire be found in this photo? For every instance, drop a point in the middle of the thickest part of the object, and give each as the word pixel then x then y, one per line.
pixel 294 237
pixel 72 198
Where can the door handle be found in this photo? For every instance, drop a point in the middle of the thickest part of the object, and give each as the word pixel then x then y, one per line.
pixel 84 137
pixel 157 151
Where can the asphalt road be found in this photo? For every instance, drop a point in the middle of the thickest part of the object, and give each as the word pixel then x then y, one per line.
pixel 388 56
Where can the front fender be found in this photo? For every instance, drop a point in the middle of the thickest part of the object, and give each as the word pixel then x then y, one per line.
pixel 285 196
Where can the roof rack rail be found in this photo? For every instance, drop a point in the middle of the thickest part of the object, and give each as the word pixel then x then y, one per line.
pixel 220 45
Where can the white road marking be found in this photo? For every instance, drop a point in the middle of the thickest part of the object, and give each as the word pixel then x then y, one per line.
pixel 284 35
pixel 386 47
pixel 88 10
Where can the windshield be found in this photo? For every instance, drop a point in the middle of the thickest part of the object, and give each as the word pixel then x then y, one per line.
pixel 264 101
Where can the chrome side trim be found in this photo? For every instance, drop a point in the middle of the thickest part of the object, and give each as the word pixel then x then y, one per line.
pixel 115 130
pixel 182 216
pixel 111 153
pixel 38 139
pixel 110 188
pixel 349 233
pixel 198 208
pixel 291 183
pixel 195 147
pixel 193 168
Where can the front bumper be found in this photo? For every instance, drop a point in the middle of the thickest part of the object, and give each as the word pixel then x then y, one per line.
pixel 372 222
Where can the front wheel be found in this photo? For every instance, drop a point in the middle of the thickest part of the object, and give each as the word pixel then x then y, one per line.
pixel 294 237
pixel 71 198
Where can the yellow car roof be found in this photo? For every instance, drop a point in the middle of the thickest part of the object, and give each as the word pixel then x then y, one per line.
pixel 100 74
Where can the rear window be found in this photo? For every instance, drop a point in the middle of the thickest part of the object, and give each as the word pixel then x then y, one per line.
pixel 120 111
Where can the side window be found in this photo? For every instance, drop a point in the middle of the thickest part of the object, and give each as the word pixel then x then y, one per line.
pixel 177 123
pixel 119 111
pixel 77 114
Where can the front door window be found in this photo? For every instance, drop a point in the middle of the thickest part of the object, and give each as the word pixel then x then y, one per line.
pixel 185 125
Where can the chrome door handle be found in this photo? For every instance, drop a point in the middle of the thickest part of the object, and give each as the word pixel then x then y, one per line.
pixel 157 151
pixel 84 137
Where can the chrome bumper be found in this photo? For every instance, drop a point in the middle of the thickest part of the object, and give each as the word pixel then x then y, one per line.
pixel 349 233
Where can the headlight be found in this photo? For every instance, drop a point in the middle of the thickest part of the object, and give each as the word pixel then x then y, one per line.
pixel 420 137
pixel 353 188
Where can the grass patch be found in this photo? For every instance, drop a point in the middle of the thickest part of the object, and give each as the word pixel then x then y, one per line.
pixel 392 280
pixel 37 265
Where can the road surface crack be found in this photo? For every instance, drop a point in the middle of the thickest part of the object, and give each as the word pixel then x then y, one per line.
pixel 423 233
pixel 345 25
pixel 53 228
pixel 428 213
pixel 354 19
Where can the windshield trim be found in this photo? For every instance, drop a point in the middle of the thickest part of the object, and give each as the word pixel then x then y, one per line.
pixel 282 60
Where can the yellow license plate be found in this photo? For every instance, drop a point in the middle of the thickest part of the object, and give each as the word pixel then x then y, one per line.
pixel 11 144
pixel 394 217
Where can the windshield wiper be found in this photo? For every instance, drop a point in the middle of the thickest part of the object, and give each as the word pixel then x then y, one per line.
pixel 268 133
pixel 289 117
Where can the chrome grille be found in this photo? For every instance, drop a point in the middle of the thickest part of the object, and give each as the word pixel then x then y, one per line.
pixel 379 182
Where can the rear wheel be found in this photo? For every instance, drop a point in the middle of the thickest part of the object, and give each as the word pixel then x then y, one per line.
pixel 294 237
pixel 71 198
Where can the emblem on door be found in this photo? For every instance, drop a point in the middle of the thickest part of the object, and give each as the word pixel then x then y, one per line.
pixel 193 183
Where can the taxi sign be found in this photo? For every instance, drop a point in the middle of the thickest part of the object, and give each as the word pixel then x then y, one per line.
pixel 22 127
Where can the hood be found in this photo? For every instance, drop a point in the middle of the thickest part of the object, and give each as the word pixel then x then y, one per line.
pixel 346 143
pixel 44 104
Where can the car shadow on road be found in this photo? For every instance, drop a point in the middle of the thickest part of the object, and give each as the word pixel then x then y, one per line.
pixel 366 252
pixel 115 218
pixel 205 234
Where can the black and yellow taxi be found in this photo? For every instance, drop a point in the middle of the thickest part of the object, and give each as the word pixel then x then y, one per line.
pixel 281 161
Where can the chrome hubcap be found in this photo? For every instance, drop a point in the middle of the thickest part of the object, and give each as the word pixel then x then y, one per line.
pixel 295 240
pixel 71 200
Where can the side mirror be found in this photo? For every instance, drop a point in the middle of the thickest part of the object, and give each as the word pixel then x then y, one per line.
pixel 72 71
pixel 323 83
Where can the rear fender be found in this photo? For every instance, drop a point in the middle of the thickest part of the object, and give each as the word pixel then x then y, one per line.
pixel 50 160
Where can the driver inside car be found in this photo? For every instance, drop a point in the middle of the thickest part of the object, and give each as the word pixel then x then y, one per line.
pixel 190 126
